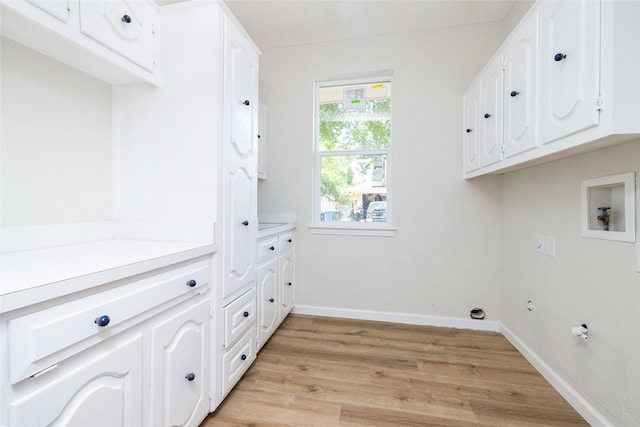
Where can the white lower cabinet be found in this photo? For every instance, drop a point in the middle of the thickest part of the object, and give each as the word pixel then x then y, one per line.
pixel 100 387
pixel 130 353
pixel 180 366
pixel 276 278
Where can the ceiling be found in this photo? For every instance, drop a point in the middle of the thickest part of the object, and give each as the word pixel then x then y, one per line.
pixel 281 23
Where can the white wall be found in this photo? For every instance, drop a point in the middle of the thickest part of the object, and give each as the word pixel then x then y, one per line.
pixel 56 141
pixel 446 256
pixel 589 281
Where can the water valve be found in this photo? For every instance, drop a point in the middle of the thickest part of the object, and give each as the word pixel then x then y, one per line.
pixel 581 331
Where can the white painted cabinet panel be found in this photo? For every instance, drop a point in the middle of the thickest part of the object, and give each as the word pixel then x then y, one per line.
pixel 520 88
pixel 491 113
pixel 180 366
pixel 262 139
pixel 569 66
pixel 471 125
pixel 287 283
pixel 59 9
pixel 268 299
pixel 125 27
pixel 105 386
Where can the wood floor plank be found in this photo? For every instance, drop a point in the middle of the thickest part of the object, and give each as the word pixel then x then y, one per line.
pixel 322 371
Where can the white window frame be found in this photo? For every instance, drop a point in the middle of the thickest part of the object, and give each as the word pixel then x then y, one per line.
pixel 348 227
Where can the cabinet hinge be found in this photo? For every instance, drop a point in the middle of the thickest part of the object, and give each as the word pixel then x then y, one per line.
pixel 502 147
pixel 599 103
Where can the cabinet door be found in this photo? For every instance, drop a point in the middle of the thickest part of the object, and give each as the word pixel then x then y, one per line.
pixel 262 140
pixel 123 26
pixel 287 283
pixel 99 387
pixel 491 114
pixel 520 91
pixel 569 67
pixel 268 300
pixel 180 366
pixel 471 128
pixel 240 217
pixel 59 9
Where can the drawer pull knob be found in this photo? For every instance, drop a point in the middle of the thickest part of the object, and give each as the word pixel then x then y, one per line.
pixel 514 93
pixel 192 283
pixel 245 314
pixel 247 102
pixel 245 222
pixel 243 357
pixel 126 19
pixel 486 116
pixel 289 240
pixel 559 57
pixel 102 321
pixel 272 248
pixel 289 283
pixel 468 130
pixel 190 376
pixel 271 300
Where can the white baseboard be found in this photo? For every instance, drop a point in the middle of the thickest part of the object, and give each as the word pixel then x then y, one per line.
pixel 575 399
pixel 408 318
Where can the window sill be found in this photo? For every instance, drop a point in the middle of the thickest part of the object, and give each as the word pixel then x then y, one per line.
pixel 354 231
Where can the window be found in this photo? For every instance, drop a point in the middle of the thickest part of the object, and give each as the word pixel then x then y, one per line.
pixel 352 155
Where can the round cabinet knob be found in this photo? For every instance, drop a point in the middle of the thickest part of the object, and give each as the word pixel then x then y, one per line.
pixel 468 130
pixel 289 283
pixel 243 357
pixel 102 321
pixel 271 300
pixel 245 314
pixel 247 102
pixel 272 248
pixel 289 240
pixel 191 283
pixel 258 136
pixel 486 116
pixel 559 57
pixel 126 19
pixel 514 93
pixel 245 223
pixel 190 376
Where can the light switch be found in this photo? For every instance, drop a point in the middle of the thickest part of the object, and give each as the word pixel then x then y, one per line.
pixel 538 243
pixel 550 245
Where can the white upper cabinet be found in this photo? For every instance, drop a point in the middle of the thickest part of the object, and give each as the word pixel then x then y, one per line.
pixel 571 83
pixel 491 113
pixel 111 40
pixel 569 65
pixel 471 125
pixel 124 27
pixel 520 90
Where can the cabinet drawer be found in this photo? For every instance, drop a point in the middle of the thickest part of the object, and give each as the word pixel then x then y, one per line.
pixel 237 360
pixel 267 247
pixel 286 240
pixel 239 316
pixel 44 338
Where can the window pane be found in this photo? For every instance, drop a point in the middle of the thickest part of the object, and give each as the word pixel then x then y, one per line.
pixel 353 188
pixel 355 117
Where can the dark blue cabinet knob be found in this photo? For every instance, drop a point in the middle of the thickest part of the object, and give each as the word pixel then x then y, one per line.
pixel 272 248
pixel 102 321
pixel 559 57
pixel 191 283
pixel 514 93
pixel 289 283
pixel 468 130
pixel 190 376
pixel 245 314
pixel 486 116
pixel 271 300
pixel 243 357
pixel 126 19
pixel 289 240
pixel 245 223
pixel 247 102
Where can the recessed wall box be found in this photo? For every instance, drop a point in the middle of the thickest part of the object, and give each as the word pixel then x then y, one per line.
pixel 608 207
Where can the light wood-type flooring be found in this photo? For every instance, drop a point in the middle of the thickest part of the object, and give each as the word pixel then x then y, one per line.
pixel 324 371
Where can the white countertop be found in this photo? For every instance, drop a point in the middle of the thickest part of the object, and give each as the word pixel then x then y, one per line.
pixel 269 228
pixel 28 277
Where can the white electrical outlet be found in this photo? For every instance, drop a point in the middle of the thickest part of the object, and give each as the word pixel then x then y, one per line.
pixel 538 243
pixel 550 245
